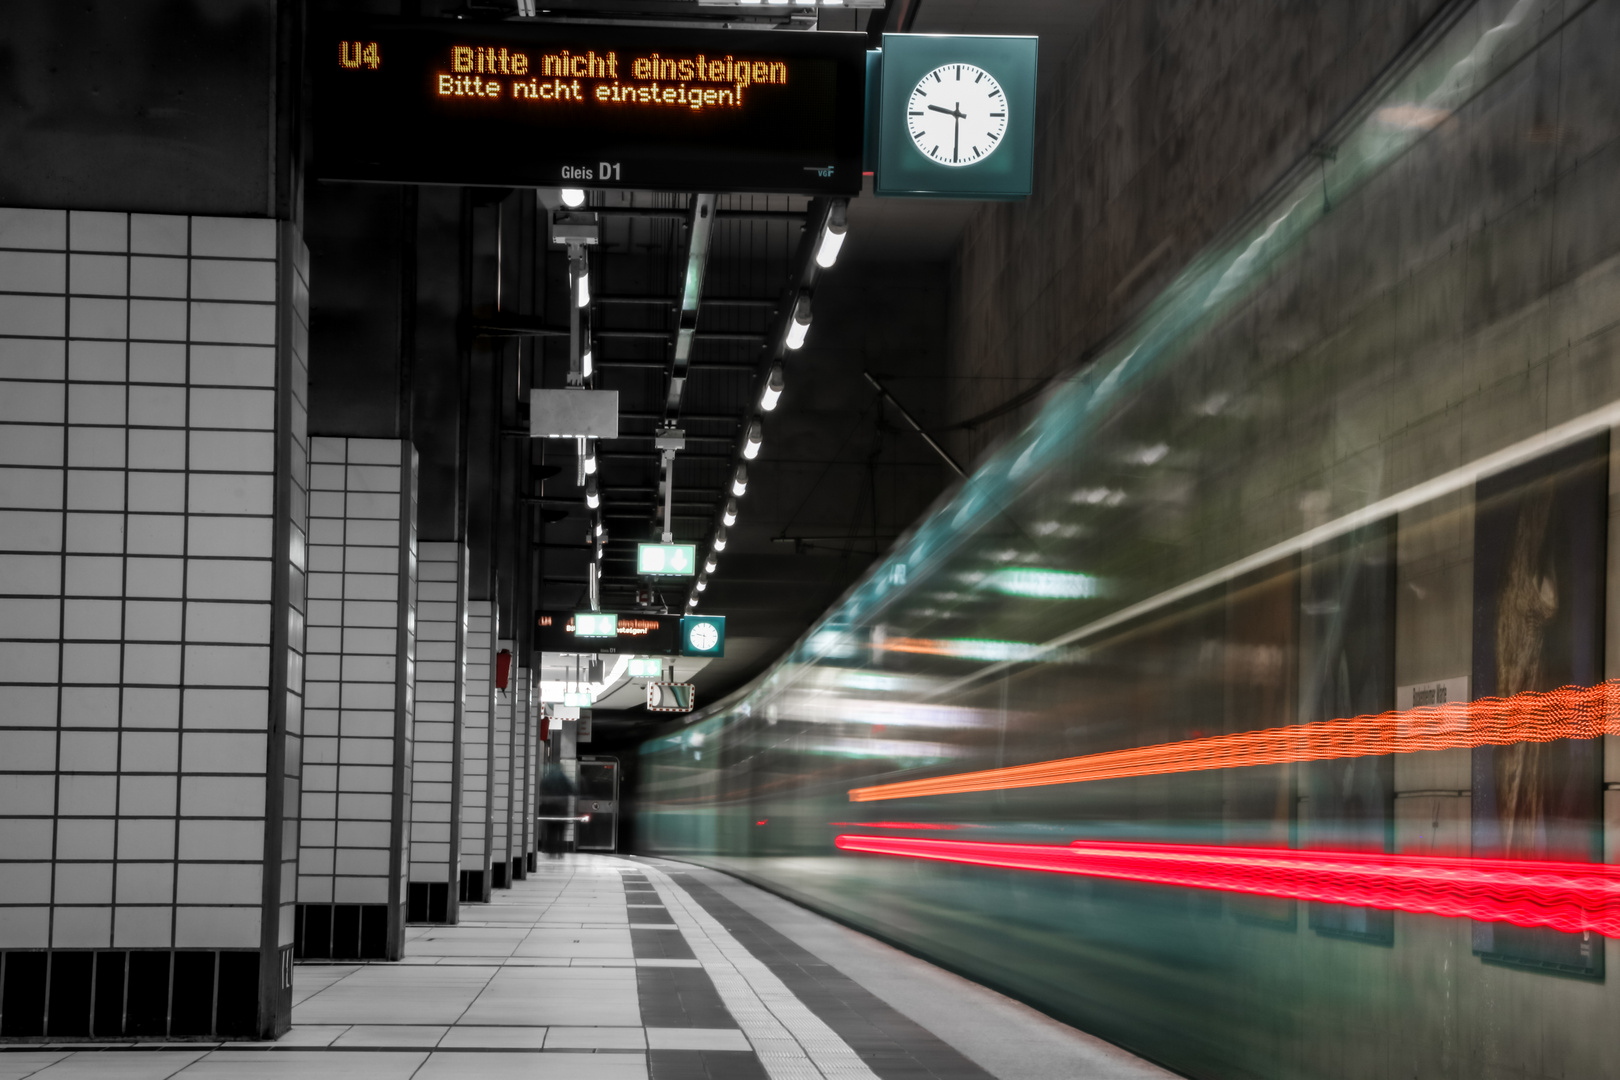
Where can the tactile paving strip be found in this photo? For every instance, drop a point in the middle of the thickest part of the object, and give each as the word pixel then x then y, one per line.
pixel 791 1042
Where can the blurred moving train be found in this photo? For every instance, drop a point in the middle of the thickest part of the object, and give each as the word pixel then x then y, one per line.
pixel 1249 708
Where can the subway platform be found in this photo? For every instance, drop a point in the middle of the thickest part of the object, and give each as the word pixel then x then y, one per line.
pixel 608 968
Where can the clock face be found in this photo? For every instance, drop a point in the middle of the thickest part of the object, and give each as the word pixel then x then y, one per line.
pixel 957 115
pixel 704 637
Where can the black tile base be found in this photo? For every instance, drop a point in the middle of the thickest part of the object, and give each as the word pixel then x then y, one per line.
pixel 704 1065
pixel 520 868
pixel 500 875
pixel 341 932
pixel 139 993
pixel 471 887
pixel 428 902
pixel 533 862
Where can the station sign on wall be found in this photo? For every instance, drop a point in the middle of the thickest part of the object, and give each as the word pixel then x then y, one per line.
pixel 954 116
pixel 601 106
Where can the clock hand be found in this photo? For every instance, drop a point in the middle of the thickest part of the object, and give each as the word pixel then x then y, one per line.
pixel 956 147
pixel 950 112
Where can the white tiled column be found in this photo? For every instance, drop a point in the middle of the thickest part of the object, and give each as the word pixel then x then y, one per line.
pixel 152 386
pixel 353 856
pixel 477 749
pixel 500 792
pixel 436 780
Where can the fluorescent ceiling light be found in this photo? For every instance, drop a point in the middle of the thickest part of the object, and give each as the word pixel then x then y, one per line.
pixel 775 383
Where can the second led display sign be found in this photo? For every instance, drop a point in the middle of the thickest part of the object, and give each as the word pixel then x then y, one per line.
pixel 591 106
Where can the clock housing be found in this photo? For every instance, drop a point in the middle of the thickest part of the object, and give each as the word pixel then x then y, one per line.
pixel 921 163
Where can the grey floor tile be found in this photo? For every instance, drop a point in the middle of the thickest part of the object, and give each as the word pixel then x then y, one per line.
pixel 20 1063
pixel 550 996
pixel 575 942
pixel 312 1034
pixel 120 1065
pixel 475 1037
pixel 392 1035
pixel 391 995
pixel 454 1066
pixel 697 1039
pixel 596 1038
pixel 303 1065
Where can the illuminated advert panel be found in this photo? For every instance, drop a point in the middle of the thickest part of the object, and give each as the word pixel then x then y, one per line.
pixel 591 106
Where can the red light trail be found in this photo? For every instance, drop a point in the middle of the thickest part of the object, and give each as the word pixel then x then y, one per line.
pixel 1565 896
pixel 891 825
pixel 1573 712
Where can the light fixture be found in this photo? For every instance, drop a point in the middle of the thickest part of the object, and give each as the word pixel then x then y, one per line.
pixel 573 196
pixel 755 439
pixel 691 601
pixel 774 385
pixel 739 480
pixel 728 516
pixel 702 582
pixel 585 364
pixel 711 563
pixel 590 459
pixel 585 288
pixel 599 529
pixel 720 538
pixel 832 237
pixel 592 498
pixel 798 327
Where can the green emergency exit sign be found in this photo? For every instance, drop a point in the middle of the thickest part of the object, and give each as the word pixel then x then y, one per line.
pixel 668 560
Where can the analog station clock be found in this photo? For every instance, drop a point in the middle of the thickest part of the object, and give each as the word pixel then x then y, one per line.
pixel 957 115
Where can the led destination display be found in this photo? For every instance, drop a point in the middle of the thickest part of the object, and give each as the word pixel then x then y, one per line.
pixel 591 106
pixel 642 633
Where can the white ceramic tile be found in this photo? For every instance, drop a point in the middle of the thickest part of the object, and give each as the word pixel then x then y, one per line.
pixel 97 317
pixel 33 228
pixel 30 444
pixel 158 233
pixel 32 271
pixel 33 316
pixel 233 365
pixel 103 275
pixel 233 238
pixel 157 362
pixel 98 230
pixel 231 323
pixel 233 279
pixel 157 276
